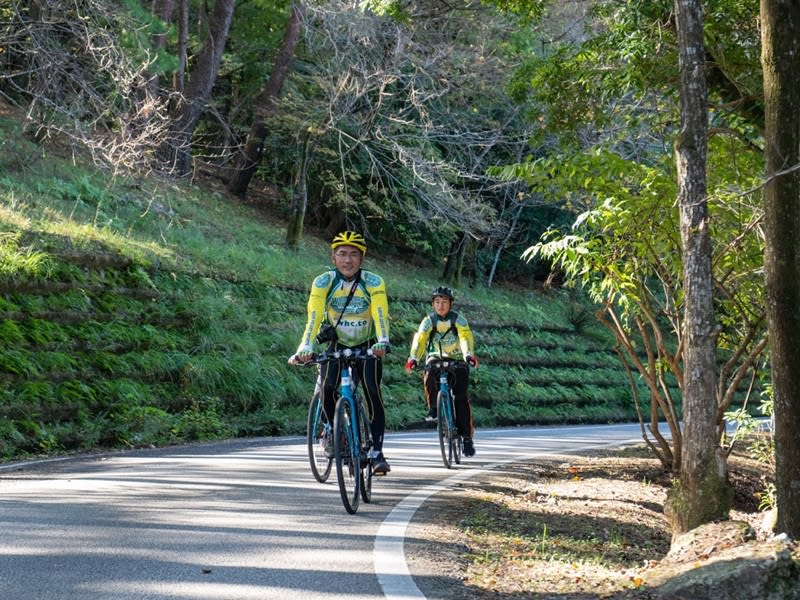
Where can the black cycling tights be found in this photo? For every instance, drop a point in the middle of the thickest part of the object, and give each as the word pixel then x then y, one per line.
pixel 370 373
pixel 459 384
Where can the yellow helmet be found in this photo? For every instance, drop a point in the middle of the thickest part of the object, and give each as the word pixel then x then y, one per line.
pixel 349 238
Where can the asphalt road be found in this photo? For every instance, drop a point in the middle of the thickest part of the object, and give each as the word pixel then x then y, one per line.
pixel 241 520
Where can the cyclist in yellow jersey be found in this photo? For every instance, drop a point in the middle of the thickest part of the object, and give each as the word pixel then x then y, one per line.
pixel 348 308
pixel 446 333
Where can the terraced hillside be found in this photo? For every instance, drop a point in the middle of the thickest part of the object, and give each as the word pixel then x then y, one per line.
pixel 106 350
pixel 541 372
pixel 140 312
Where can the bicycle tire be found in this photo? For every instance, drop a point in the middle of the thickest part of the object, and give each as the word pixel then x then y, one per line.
pixel 443 428
pixel 366 446
pixel 320 463
pixel 458 444
pixel 456 441
pixel 348 461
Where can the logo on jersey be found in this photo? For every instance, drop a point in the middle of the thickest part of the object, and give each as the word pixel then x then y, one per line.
pixel 371 279
pixel 357 304
pixel 324 280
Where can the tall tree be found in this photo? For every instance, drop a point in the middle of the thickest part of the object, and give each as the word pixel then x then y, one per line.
pixel 266 106
pixel 635 273
pixel 780 58
pixel 201 81
pixel 618 111
pixel 703 492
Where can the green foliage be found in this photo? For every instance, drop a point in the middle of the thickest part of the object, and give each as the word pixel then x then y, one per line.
pixel 137 426
pixel 391 8
pixel 20 262
pixel 635 272
pixel 202 420
pixel 580 317
pixel 529 9
pixel 619 77
pixel 768 498
pixel 10 334
pixel 620 195
pixel 12 440
pixel 760 443
pixel 137 38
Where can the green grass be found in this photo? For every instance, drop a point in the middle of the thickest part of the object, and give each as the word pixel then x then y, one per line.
pixel 140 311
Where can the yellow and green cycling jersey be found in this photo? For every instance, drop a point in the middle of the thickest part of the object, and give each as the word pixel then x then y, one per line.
pixel 365 318
pixel 431 340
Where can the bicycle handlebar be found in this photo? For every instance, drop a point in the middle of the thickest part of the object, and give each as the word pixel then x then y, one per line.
pixel 442 363
pixel 325 356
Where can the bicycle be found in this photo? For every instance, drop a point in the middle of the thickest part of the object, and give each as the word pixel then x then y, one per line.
pixel 352 432
pixel 450 442
pixel 316 433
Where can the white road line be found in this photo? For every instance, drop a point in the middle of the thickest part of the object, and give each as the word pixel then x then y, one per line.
pixel 389 559
pixel 390 562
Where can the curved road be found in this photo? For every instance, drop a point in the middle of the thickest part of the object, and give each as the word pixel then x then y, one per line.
pixel 242 520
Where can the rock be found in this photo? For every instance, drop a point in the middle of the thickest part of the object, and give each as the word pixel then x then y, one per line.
pixel 701 542
pixel 723 561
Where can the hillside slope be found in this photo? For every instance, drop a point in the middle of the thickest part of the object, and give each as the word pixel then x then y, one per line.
pixel 138 311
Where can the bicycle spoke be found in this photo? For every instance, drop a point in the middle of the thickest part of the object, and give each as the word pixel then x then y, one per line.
pixel 348 463
pixel 443 428
pixel 366 466
pixel 320 463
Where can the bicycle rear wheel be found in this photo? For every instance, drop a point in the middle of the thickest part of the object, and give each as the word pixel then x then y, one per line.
pixel 457 443
pixel 348 461
pixel 443 427
pixel 320 463
pixel 366 463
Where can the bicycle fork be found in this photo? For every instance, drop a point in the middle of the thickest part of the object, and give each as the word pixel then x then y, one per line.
pixel 357 417
pixel 444 386
pixel 347 393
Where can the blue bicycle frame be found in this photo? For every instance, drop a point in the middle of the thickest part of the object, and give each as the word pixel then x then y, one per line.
pixel 352 436
pixel 352 432
pixel 450 443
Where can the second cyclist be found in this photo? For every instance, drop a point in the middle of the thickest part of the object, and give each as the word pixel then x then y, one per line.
pixel 445 333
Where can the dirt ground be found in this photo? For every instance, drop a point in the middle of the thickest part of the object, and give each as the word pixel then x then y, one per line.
pixel 562 527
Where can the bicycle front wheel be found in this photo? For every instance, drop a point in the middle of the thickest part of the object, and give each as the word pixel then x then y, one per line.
pixel 443 427
pixel 315 435
pixel 348 461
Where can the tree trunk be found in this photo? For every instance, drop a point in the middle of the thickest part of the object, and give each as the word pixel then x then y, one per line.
pixel 451 271
pixel 702 493
pixel 201 82
pixel 299 201
pixel 459 269
pixel 780 58
pixel 178 79
pixel 517 211
pixel 265 106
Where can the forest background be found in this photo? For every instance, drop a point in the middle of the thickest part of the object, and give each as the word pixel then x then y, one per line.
pixel 455 137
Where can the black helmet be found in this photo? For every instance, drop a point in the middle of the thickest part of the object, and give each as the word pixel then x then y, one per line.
pixel 443 291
